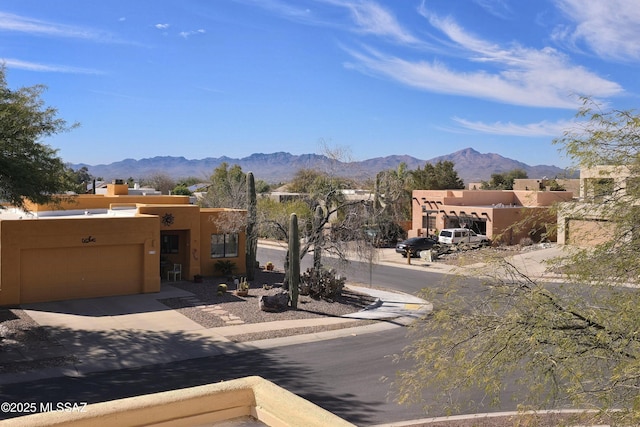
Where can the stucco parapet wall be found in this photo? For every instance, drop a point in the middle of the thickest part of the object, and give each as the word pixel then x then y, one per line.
pixel 605 171
pixel 97 201
pixel 202 405
pixel 492 198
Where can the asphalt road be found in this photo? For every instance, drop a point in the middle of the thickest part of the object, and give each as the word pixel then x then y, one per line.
pixel 348 376
pixel 341 375
pixel 369 274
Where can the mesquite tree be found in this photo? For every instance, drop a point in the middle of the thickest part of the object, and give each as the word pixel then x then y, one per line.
pixel 252 236
pixel 570 345
pixel 30 171
pixel 294 260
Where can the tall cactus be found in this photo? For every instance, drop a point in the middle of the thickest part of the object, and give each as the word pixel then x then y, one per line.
pixel 252 218
pixel 317 244
pixel 294 260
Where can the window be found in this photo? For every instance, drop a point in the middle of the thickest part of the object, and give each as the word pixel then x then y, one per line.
pixel 224 245
pixel 429 221
pixel 170 243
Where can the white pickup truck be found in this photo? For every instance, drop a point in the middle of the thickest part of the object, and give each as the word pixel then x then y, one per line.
pixel 454 236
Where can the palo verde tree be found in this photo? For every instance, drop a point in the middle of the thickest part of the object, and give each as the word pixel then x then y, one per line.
pixel 575 345
pixel 29 170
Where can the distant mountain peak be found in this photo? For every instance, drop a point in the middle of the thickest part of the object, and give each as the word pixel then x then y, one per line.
pixel 471 165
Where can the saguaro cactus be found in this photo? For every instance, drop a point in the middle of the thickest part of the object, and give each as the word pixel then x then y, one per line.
pixel 294 260
pixel 317 244
pixel 252 218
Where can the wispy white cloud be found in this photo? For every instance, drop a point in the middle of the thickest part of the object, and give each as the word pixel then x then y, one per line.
pixel 371 18
pixel 364 17
pixel 499 8
pixel 187 34
pixel 162 26
pixel 33 66
pixel 16 23
pixel 609 27
pixel 540 129
pixel 285 10
pixel 510 74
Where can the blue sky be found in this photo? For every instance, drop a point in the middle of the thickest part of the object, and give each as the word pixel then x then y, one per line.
pixel 198 78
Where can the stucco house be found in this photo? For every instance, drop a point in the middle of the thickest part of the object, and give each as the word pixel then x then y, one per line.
pixel 116 243
pixel 489 212
pixel 585 222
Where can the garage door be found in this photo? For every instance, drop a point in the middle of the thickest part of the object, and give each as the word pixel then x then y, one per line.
pixel 69 273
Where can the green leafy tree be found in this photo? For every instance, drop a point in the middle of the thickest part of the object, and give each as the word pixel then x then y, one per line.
pixel 181 190
pixel 228 188
pixel 262 187
pixel 503 181
pixel 441 176
pixel 29 170
pixel 78 179
pixel 574 345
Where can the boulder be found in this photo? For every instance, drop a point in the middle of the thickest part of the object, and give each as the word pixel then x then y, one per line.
pixel 274 303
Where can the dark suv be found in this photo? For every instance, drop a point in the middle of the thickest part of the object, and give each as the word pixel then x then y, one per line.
pixel 415 245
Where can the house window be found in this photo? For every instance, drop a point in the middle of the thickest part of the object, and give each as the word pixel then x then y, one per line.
pixel 170 244
pixel 224 245
pixel 429 222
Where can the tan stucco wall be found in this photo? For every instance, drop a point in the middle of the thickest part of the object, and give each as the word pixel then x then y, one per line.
pixel 100 201
pixel 77 257
pixel 203 405
pixel 212 223
pixel 499 208
pixel 185 221
pixel 66 251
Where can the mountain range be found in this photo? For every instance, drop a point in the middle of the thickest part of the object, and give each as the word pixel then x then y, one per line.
pixel 280 167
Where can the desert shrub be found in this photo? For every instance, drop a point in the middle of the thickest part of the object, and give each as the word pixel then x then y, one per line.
pixel 526 241
pixel 323 283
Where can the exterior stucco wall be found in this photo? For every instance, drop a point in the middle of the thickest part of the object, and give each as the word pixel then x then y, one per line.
pixel 66 251
pixel 495 209
pixel 185 222
pixel 24 245
pixel 100 201
pixel 217 221
pixel 209 404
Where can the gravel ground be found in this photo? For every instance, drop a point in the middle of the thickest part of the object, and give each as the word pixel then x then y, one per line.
pixel 247 309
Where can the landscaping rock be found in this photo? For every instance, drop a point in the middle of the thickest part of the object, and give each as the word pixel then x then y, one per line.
pixel 274 303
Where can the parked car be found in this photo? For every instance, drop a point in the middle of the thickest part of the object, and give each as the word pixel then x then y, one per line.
pixel 454 236
pixel 415 245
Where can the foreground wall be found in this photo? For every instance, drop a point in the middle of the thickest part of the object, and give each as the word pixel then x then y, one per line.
pixel 204 405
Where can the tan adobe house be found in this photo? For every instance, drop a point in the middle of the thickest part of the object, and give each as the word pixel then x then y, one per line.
pixel 96 245
pixel 488 212
pixel 584 222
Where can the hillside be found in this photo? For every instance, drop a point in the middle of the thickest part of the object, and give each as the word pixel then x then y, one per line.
pixel 471 166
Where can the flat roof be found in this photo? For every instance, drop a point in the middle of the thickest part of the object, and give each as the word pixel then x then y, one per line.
pixel 17 214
